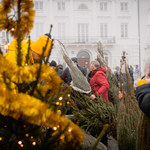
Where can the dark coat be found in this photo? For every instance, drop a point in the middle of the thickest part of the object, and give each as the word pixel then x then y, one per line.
pixel 131 75
pixel 66 77
pixel 82 70
pixel 60 72
pixel 98 82
pixel 143 97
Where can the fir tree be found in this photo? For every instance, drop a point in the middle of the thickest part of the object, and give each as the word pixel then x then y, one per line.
pixel 91 115
pixel 128 112
pixel 112 80
pixel 143 135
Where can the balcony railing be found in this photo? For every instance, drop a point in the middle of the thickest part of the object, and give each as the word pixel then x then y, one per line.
pixel 86 40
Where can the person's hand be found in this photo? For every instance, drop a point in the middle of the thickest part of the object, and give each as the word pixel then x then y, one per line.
pixel 93 96
pixel 120 95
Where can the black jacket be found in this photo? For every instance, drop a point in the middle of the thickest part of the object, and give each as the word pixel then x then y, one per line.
pixel 66 77
pixel 82 70
pixel 143 96
pixel 60 72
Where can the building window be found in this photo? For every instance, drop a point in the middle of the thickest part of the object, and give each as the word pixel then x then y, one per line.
pixel 103 29
pixel 123 6
pixel 39 5
pixel 103 6
pixel 82 7
pixel 61 30
pixel 61 6
pixel 39 29
pixel 82 32
pixel 83 54
pixel 124 30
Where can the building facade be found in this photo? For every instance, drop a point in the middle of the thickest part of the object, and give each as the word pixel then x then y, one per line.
pixel 144 30
pixel 81 24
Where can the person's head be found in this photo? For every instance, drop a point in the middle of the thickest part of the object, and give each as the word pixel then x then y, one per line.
pixel 147 69
pixel 53 64
pixel 137 66
pixel 117 68
pixel 94 65
pixel 74 59
pixel 60 66
pixel 37 47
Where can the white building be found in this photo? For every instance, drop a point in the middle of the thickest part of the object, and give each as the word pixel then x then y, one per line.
pixel 80 24
pixel 144 30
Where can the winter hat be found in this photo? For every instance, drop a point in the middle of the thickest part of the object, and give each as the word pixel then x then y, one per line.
pixel 60 66
pixel 74 59
pixel 53 63
pixel 38 45
pixel 141 82
pixel 47 34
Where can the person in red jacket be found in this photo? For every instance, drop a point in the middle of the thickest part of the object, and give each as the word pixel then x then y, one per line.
pixel 98 81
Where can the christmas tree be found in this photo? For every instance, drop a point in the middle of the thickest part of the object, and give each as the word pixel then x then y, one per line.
pixel 128 112
pixel 112 80
pixel 143 133
pixel 92 115
pixel 31 96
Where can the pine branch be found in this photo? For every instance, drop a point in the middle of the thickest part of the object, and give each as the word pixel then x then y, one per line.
pixel 1 51
pixel 28 53
pixel 50 50
pixel 19 39
pixel 100 136
pixel 93 114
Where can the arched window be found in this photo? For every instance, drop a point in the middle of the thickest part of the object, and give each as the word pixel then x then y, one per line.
pixel 83 59
pixel 83 54
pixel 82 7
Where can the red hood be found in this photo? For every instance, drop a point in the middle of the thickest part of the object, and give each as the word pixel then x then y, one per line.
pixel 99 69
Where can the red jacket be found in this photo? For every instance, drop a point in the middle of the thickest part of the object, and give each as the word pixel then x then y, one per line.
pixel 98 82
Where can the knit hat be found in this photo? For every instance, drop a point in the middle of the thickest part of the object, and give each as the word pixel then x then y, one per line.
pixel 53 63
pixel 141 82
pixel 38 45
pixel 74 59
pixel 47 34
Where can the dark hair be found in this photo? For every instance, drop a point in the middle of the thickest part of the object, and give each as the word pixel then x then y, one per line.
pixel 53 63
pixel 60 66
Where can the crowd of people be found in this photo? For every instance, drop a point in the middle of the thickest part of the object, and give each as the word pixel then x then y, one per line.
pixel 135 73
pixel 97 76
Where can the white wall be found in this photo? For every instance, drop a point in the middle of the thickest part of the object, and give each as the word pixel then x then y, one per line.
pixel 72 16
